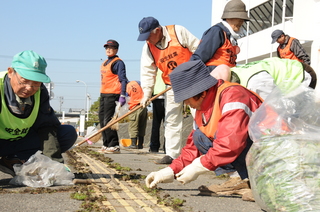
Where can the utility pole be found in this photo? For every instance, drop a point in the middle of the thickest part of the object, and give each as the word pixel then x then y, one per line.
pixel 88 105
pixel 61 102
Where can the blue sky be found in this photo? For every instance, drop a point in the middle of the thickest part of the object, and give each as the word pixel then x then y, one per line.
pixel 70 34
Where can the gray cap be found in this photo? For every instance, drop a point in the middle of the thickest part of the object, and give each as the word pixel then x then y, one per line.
pixel 275 35
pixel 235 9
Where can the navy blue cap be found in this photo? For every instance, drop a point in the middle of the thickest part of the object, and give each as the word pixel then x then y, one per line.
pixel 146 25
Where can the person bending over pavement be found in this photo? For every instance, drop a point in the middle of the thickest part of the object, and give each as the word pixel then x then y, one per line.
pixel 166 47
pixel 137 119
pixel 263 76
pixel 27 121
pixel 289 47
pixel 223 110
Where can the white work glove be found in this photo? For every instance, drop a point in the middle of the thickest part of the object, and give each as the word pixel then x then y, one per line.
pixel 165 175
pixel 147 92
pixel 191 172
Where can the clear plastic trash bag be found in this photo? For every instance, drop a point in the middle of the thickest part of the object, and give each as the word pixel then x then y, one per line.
pixel 284 160
pixel 120 111
pixel 41 171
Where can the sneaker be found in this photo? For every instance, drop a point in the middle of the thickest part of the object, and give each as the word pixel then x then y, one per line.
pixel 103 148
pixel 6 165
pixel 165 160
pixel 112 150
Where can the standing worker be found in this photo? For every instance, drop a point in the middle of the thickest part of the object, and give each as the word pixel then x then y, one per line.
pixel 166 47
pixel 113 88
pixel 219 43
pixel 27 121
pixel 223 110
pixel 289 47
pixel 137 119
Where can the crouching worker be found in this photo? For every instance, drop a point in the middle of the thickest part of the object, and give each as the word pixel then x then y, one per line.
pixel 137 119
pixel 223 110
pixel 27 121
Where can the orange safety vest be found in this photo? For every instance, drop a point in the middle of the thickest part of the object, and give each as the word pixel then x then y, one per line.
pixel 210 128
pixel 135 92
pixel 109 81
pixel 286 52
pixel 169 58
pixel 226 54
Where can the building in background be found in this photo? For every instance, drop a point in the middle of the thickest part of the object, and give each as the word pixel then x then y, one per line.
pixel 297 18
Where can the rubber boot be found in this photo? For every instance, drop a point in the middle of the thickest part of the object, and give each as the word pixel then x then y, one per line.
pixel 140 142
pixel 133 144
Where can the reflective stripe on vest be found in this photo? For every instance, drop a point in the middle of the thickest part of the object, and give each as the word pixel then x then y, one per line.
pixel 226 54
pixel 169 58
pixel 135 92
pixel 286 52
pixel 11 127
pixel 109 81
pixel 210 128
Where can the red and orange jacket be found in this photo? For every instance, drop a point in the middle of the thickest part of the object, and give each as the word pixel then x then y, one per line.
pixel 227 109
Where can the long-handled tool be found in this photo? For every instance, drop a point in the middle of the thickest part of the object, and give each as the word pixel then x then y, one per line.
pixel 118 119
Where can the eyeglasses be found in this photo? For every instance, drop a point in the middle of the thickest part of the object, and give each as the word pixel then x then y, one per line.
pixel 37 86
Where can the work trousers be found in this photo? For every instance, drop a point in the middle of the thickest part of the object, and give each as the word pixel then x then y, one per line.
pixel 173 125
pixel 158 112
pixel 138 123
pixel 203 144
pixel 31 143
pixel 106 112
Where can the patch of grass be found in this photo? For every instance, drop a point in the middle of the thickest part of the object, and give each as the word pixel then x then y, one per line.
pixel 223 176
pixel 175 203
pixel 151 191
pixel 91 202
pixel 118 167
pixel 78 196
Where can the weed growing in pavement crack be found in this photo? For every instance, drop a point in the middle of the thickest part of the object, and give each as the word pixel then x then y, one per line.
pixel 91 202
pixel 166 200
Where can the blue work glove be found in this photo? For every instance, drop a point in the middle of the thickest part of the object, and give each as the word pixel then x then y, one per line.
pixel 122 100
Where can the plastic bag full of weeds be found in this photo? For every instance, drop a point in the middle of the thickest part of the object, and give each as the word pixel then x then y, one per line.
pixel 284 161
pixel 41 171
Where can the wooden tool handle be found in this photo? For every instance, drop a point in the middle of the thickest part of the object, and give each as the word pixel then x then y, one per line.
pixel 120 118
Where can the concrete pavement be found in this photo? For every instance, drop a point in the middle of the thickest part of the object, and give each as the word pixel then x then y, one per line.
pixel 112 191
